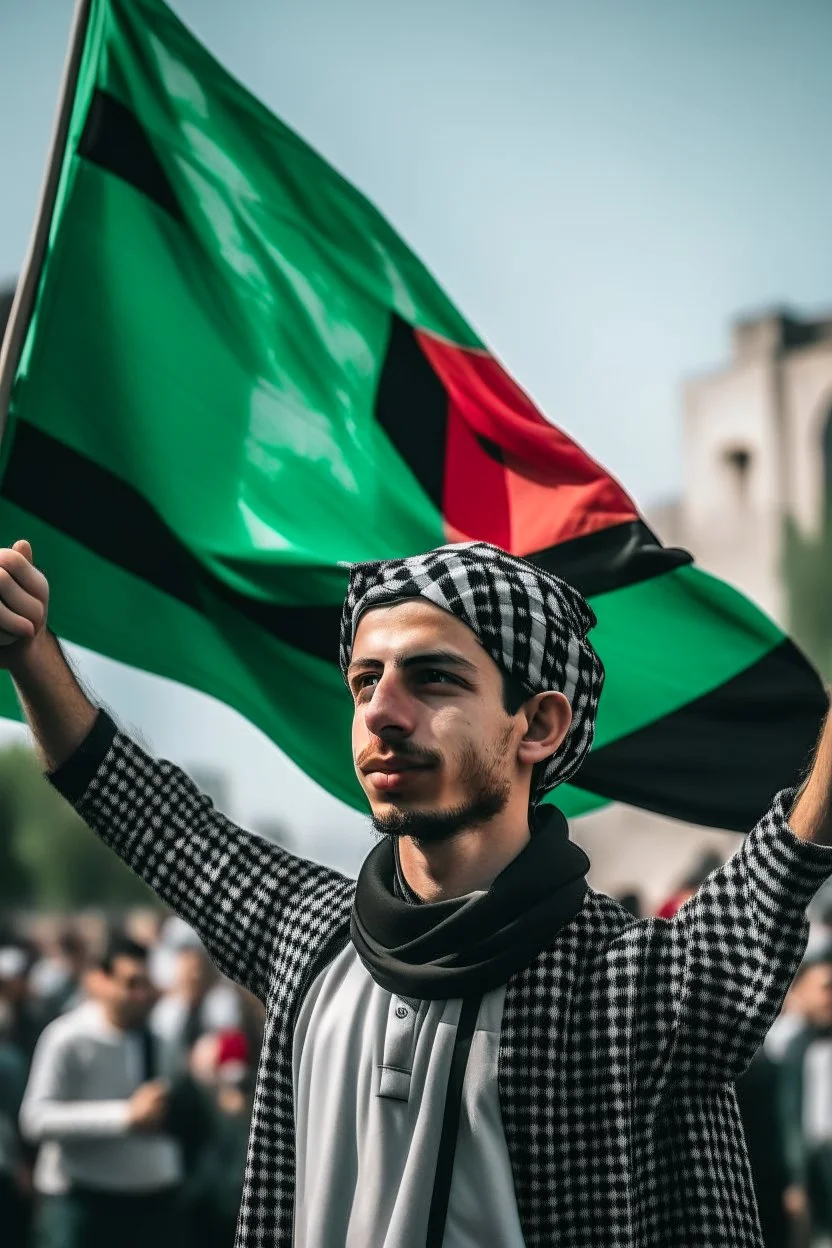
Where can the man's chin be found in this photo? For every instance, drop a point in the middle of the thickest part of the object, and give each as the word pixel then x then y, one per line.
pixel 431 824
pixel 425 826
pixel 398 806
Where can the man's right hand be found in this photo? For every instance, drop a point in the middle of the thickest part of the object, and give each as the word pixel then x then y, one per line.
pixel 24 601
pixel 148 1106
pixel 56 707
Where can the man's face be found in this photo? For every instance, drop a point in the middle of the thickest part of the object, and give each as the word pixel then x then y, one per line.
pixel 127 991
pixel 433 746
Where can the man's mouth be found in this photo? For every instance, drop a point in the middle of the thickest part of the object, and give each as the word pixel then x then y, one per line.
pixel 392 773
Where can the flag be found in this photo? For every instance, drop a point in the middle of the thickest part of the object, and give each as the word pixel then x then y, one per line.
pixel 230 378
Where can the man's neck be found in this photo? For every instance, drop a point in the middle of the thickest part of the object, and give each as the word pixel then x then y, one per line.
pixel 466 863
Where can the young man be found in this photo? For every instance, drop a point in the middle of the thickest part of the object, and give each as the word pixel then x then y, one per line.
pixel 107 1170
pixel 469 1046
pixel 806 1097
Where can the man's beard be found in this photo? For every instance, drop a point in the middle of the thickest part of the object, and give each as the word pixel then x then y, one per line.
pixel 488 794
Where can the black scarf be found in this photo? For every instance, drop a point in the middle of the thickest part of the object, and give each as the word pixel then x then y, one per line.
pixel 468 945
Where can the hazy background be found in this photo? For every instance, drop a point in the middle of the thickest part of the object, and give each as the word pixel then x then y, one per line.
pixel 601 188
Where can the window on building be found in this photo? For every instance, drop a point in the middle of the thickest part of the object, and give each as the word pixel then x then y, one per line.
pixel 737 461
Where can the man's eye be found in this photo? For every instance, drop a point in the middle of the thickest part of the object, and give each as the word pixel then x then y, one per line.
pixel 432 676
pixel 366 681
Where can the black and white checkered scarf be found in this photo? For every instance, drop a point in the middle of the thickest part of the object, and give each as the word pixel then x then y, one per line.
pixel 532 624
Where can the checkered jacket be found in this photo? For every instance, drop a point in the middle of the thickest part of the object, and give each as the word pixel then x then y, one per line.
pixel 619 1045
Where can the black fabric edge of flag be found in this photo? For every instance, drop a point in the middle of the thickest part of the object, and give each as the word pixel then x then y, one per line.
pixel 751 736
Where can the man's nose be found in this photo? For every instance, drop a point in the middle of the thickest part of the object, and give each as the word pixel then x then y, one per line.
pixel 390 711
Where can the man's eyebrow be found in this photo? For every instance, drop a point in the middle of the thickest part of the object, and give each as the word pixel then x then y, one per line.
pixel 435 658
pixel 362 665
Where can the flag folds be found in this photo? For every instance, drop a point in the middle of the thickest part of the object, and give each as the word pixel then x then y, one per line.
pixel 235 379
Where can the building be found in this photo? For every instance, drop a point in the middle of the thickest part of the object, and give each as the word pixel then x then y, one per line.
pixel 757 464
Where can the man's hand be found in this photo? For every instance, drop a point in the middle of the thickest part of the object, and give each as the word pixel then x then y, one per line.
pixel 811 815
pixel 796 1201
pixel 56 707
pixel 148 1106
pixel 24 602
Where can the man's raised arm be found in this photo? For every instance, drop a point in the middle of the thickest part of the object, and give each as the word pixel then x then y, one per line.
pixel 724 963
pixel 230 886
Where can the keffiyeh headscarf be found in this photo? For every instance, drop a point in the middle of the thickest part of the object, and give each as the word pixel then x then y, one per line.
pixel 532 624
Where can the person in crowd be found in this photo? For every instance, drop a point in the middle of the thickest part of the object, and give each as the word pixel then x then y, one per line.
pixel 688 887
pixel 26 1014
pixel 468 1044
pixel 806 1098
pixel 758 1099
pixel 198 1002
pixel 14 1175
pixel 820 924
pixel 59 977
pixel 808 986
pixel 222 1062
pixel 108 1171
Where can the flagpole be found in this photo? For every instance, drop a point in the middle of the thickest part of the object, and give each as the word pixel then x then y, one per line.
pixel 27 286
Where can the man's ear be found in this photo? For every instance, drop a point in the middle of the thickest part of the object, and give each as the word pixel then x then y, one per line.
pixel 548 719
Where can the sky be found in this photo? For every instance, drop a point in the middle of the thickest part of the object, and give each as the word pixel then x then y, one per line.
pixel 601 188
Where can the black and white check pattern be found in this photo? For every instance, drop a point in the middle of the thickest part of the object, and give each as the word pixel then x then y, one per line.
pixel 532 624
pixel 619 1043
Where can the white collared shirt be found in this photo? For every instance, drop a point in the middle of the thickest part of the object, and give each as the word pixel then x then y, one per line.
pixel 83 1073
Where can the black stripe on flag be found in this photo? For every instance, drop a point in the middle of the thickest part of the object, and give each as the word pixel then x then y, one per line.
pixel 720 759
pixel 412 409
pixel 611 558
pixel 98 510
pixel 114 140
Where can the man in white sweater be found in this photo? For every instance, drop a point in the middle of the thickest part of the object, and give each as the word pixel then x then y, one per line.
pixel 96 1103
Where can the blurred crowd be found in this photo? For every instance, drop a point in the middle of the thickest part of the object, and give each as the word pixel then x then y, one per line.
pixel 126 1076
pixel 127 1070
pixel 785 1096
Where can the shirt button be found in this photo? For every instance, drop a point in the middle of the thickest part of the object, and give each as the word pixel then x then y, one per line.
pixel 401 1011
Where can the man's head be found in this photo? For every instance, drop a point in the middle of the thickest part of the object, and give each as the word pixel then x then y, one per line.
pixel 812 990
pixel 71 949
pixel 473 685
pixel 122 984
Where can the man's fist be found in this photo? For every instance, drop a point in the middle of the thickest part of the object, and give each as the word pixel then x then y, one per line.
pixel 148 1106
pixel 24 599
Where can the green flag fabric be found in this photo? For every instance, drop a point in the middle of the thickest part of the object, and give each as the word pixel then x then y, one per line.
pixel 236 379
